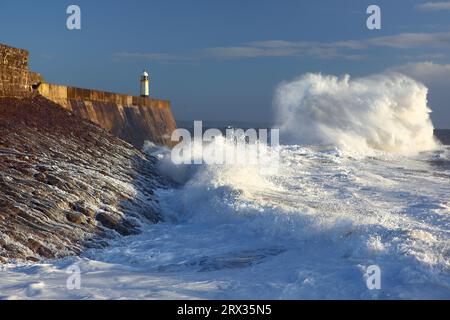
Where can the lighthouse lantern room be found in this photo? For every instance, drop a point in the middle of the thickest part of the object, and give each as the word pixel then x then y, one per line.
pixel 145 91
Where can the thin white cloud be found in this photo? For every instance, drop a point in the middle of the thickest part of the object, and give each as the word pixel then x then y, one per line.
pixel 424 57
pixel 412 40
pixel 156 56
pixel 249 52
pixel 279 48
pixel 434 6
pixel 46 56
pixel 427 72
pixel 329 50
pixel 343 50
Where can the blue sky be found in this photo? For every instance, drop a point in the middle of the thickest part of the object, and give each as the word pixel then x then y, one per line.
pixel 222 60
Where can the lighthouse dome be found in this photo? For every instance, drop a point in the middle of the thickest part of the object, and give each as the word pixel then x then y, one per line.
pixel 145 74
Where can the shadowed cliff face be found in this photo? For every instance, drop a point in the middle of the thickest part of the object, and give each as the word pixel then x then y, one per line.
pixel 133 119
pixel 66 184
pixel 134 124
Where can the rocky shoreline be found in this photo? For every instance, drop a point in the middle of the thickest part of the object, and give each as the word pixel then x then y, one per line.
pixel 67 184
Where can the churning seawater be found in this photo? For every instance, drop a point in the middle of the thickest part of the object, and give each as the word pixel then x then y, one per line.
pixel 361 181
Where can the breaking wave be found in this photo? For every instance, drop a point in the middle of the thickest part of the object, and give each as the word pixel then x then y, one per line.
pixel 307 230
pixel 386 112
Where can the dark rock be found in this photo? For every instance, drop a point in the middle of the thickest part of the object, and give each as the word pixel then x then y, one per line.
pixel 48 213
pixel 39 248
pixel 54 181
pixel 75 217
pixel 32 259
pixel 112 223
pixel 83 209
pixel 40 177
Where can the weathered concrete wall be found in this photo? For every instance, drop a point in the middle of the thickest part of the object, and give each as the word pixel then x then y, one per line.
pixel 15 78
pixel 13 82
pixel 134 119
pixel 13 57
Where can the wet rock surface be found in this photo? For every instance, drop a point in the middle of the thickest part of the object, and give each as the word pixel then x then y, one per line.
pixel 66 184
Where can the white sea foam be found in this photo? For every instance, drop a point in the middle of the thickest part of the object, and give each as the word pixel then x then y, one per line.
pixel 308 230
pixel 386 112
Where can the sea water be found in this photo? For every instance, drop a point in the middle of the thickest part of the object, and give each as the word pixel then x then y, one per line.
pixel 351 191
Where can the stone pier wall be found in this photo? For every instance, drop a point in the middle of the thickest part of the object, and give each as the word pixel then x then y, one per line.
pixel 15 78
pixel 134 119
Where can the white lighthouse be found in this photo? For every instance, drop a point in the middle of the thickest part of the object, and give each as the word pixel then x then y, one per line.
pixel 145 91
